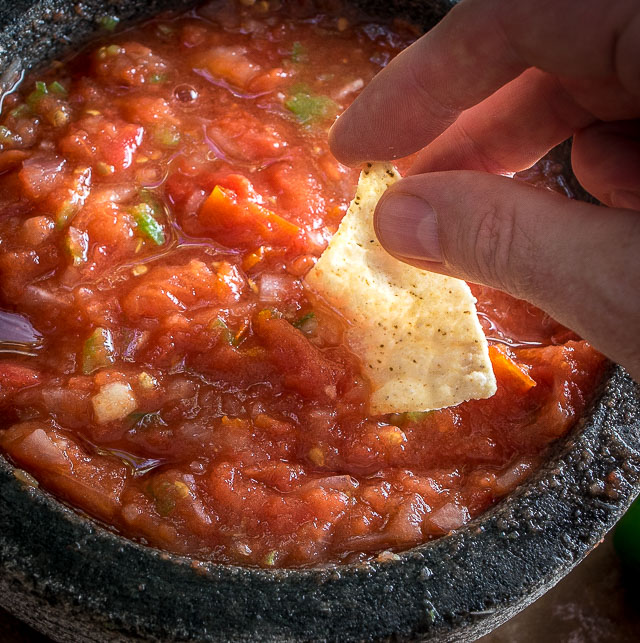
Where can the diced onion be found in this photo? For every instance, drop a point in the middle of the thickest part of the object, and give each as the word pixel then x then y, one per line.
pixel 114 402
pixel 337 483
pixel 349 88
pixel 512 477
pixel 40 172
pixel 36 296
pixel 450 516
pixel 43 450
pixel 115 193
pixel 274 288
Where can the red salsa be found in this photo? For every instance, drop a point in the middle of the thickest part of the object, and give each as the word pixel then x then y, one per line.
pixel 162 366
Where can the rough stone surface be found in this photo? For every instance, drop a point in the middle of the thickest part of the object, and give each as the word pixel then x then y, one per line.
pixel 76 581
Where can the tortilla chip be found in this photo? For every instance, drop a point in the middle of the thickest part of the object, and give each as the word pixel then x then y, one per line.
pixel 417 333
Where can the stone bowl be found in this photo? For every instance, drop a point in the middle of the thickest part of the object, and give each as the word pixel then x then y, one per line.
pixel 74 580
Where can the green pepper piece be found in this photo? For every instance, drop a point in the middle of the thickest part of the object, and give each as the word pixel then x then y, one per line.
pixel 78 195
pixel 308 323
pixel 157 79
pixel 402 419
pixel 270 558
pixel 227 334
pixel 166 135
pixel 298 52
pixel 300 322
pixel 98 351
pixel 20 110
pixel 109 22
pixel 37 94
pixel 416 416
pixel 165 30
pixel 144 217
pixel 113 50
pixel 6 134
pixel 166 494
pixel 309 108
pixel 57 88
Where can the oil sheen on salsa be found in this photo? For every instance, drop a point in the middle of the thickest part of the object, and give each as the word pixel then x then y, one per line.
pixel 162 367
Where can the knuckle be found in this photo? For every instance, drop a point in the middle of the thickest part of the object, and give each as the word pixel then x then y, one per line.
pixel 626 62
pixel 499 250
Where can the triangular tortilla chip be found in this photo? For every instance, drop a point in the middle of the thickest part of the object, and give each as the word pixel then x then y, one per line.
pixel 417 333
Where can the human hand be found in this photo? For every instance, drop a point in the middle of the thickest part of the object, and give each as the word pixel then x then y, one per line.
pixel 489 91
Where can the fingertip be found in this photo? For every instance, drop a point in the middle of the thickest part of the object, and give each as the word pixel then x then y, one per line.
pixel 339 142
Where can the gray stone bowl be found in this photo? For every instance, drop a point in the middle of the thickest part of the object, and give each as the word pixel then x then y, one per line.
pixel 74 580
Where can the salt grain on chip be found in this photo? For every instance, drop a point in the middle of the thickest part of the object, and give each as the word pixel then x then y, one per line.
pixel 417 333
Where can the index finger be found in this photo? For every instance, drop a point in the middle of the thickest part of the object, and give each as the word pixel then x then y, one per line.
pixel 477 48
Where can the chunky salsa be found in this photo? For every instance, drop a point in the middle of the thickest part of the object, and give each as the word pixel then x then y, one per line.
pixel 162 366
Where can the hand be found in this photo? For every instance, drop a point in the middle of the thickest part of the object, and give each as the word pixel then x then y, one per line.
pixel 489 91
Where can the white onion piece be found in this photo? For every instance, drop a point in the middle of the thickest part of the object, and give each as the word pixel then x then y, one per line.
pixel 336 483
pixel 450 516
pixel 274 288
pixel 34 295
pixel 41 172
pixel 193 203
pixel 512 477
pixel 44 451
pixel 349 88
pixel 113 402
pixel 115 193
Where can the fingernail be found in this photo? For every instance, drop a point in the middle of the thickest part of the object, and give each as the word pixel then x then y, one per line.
pixel 406 226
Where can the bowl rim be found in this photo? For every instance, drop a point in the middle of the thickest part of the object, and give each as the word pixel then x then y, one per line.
pixel 454 588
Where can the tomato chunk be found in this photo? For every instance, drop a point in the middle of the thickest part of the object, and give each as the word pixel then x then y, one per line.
pixel 230 218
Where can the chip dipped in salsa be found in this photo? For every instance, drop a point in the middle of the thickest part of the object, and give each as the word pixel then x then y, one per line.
pixel 163 366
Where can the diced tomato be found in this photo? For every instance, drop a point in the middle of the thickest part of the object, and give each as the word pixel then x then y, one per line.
pixel 243 137
pixel 94 483
pixel 567 371
pixel 232 219
pixel 282 476
pixel 11 159
pixel 297 189
pixel 148 110
pixel 95 139
pixel 131 64
pixel 229 64
pixel 15 377
pixel 168 289
pixel 303 366
pixel 40 174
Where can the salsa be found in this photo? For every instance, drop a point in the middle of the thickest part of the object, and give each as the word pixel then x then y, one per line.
pixel 162 366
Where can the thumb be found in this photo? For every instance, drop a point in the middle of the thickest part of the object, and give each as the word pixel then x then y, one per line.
pixel 577 261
